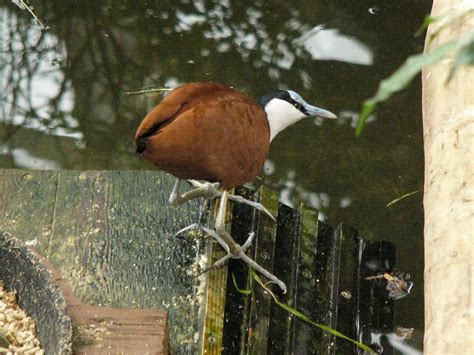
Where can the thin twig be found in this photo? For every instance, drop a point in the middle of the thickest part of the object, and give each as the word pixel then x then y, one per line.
pixel 30 10
pixel 401 198
pixel 147 91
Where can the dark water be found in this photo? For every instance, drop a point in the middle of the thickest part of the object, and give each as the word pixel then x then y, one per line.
pixel 64 106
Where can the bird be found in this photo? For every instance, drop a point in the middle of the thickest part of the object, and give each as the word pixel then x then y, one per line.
pixel 218 138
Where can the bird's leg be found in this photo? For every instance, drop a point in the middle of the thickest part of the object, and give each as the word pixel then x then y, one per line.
pixel 221 262
pixel 235 198
pixel 236 251
pixel 210 232
pixel 233 249
pixel 209 191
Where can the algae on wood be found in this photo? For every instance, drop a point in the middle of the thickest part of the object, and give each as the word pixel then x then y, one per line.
pixel 263 253
pixel 238 304
pixel 281 336
pixel 347 288
pixel 111 235
pixel 306 296
pixel 214 303
pixel 27 200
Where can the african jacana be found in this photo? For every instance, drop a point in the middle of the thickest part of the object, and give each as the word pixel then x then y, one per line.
pixel 211 132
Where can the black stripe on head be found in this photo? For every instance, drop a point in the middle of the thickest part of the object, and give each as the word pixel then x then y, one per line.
pixel 278 94
pixel 282 95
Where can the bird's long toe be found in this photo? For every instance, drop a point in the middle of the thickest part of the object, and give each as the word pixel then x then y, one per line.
pixel 248 242
pixel 263 271
pixel 253 204
pixel 212 233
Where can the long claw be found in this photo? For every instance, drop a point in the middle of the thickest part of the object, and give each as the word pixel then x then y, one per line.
pixel 248 242
pixel 217 265
pixel 212 233
pixel 254 204
pixel 207 190
pixel 199 185
pixel 195 183
pixel 193 226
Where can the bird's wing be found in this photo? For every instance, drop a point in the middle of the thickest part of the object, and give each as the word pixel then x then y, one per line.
pixel 157 118
pixel 234 139
pixel 175 103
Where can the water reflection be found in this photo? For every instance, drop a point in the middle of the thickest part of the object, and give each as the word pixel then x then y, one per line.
pixel 63 102
pixel 35 93
pixel 23 159
pixel 329 44
pixel 394 341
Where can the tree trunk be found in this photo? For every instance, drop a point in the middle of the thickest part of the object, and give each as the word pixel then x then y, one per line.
pixel 448 126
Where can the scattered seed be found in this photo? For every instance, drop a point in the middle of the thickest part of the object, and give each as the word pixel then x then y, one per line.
pixel 17 330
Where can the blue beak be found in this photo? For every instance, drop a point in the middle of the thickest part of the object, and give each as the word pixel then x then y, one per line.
pixel 319 112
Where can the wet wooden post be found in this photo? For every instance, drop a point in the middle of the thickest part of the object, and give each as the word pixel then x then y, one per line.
pixel 282 331
pixel 326 273
pixel 264 254
pixel 304 291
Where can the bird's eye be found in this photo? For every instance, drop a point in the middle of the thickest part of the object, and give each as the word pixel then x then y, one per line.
pixel 298 106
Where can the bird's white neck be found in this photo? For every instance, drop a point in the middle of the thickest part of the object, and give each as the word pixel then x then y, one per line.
pixel 280 115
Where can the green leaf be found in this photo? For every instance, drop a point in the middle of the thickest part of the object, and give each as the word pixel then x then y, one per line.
pixel 428 20
pixel 401 198
pixel 242 291
pixel 322 327
pixel 402 77
pixel 465 56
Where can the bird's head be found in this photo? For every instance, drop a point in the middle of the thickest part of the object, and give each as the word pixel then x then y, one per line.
pixel 285 107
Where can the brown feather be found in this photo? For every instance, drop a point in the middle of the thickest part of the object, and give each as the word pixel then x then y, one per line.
pixel 209 132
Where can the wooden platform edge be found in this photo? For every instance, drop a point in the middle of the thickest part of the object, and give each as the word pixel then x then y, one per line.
pixel 107 330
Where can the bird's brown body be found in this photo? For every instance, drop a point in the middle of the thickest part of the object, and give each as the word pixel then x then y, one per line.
pixel 206 131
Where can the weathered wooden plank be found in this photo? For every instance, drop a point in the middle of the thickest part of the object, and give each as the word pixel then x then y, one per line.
pixel 112 239
pixel 237 305
pixel 80 229
pixel 325 274
pixel 264 251
pixel 212 332
pixel 281 337
pixel 27 200
pixel 99 330
pixel 215 305
pixel 376 309
pixel 306 296
pixel 347 288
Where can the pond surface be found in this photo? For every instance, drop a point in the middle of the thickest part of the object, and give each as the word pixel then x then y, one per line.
pixel 64 103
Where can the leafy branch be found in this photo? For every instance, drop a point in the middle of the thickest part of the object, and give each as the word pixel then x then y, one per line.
pixel 463 49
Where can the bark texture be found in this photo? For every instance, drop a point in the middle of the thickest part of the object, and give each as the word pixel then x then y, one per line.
pixel 448 126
